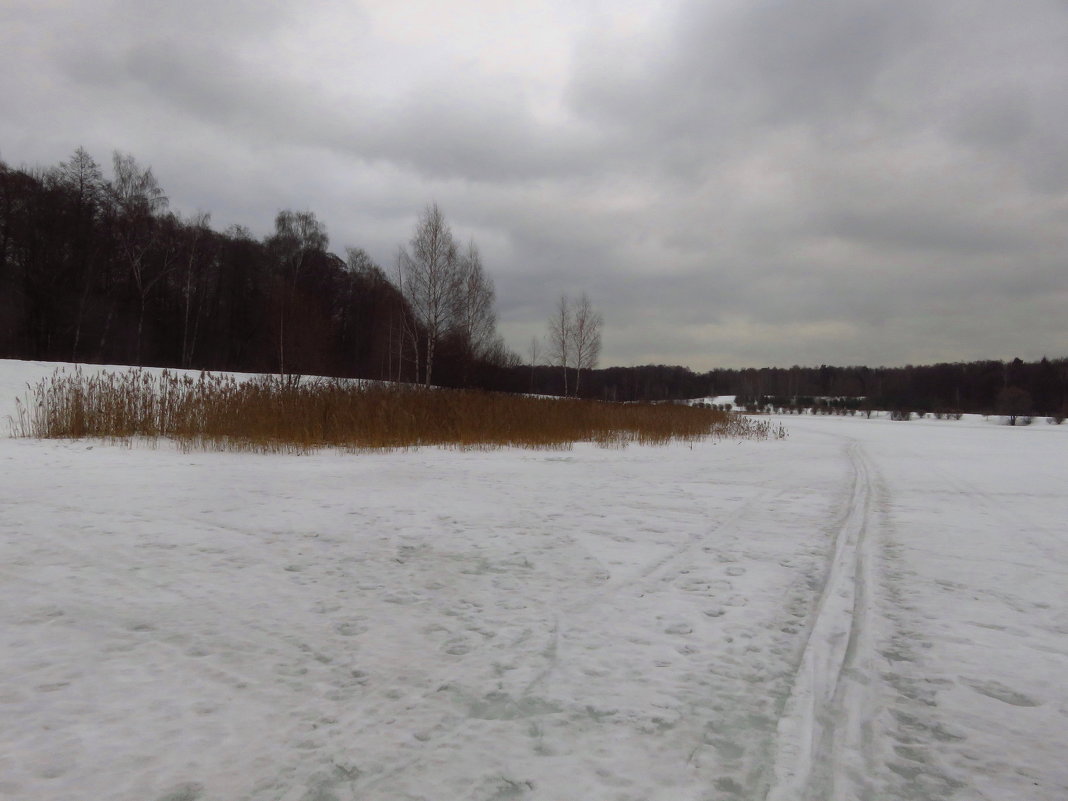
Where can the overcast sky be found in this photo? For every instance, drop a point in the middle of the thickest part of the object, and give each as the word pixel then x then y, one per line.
pixel 733 182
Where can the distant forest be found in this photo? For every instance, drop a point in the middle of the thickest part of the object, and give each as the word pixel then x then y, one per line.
pixel 100 271
pixel 985 387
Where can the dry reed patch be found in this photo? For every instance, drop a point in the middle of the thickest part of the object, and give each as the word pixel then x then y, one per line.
pixel 293 414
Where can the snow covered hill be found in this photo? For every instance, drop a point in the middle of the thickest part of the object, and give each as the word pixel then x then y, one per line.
pixel 865 610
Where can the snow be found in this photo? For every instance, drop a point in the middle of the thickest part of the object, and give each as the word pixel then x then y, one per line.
pixel 865 610
pixel 715 400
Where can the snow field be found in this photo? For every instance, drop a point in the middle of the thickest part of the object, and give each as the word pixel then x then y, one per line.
pixel 867 609
pixel 439 624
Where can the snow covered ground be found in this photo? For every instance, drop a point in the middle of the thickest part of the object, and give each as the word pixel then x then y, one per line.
pixel 865 610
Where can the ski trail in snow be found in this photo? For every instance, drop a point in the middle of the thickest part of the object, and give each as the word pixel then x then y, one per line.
pixel 824 728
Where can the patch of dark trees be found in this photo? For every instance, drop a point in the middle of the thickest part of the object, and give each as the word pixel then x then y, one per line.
pixel 983 387
pixel 100 271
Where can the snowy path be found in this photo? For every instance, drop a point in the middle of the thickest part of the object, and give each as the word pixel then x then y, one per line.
pixel 952 677
pixel 866 610
pixel 825 727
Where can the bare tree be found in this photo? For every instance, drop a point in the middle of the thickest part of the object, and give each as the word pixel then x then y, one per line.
pixel 561 327
pixel 407 328
pixel 196 232
pixel 430 281
pixel 586 327
pixel 533 351
pixel 359 262
pixel 139 200
pixel 476 320
pixel 297 234
pixel 136 190
pixel 499 355
pixel 82 177
pixel 1013 403
pixel 574 337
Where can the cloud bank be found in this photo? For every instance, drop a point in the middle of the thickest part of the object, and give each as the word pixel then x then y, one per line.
pixel 734 183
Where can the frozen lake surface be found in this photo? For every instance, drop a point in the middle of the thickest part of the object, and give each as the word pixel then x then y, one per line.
pixel 865 610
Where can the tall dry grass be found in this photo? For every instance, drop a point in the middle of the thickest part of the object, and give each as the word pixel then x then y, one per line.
pixel 276 414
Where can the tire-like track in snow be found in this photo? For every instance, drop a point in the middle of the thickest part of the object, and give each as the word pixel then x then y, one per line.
pixel 824 742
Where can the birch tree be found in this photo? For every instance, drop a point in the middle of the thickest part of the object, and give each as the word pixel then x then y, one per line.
pixel 195 232
pixel 476 320
pixel 431 278
pixel 586 327
pixel 561 327
pixel 575 337
pixel 533 352
pixel 407 325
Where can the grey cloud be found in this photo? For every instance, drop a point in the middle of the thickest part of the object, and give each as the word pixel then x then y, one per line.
pixel 243 19
pixel 469 130
pixel 741 183
pixel 722 73
pixel 796 61
pixel 461 127
pixel 911 229
pixel 193 78
pixel 995 119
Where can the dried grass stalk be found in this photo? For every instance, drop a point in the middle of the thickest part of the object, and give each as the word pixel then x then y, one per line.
pixel 290 414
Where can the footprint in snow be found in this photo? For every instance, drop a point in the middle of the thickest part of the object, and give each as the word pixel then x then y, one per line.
pixel 189 791
pixel 999 692
pixel 350 628
pixel 704 585
pixel 457 647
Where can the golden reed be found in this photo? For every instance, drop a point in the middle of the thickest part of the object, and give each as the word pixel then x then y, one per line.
pixel 292 414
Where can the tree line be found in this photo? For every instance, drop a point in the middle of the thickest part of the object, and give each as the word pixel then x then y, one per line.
pixel 101 270
pixel 972 387
pixel 982 387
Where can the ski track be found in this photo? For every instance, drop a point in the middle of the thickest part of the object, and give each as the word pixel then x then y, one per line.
pixel 825 717
pixel 952 684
